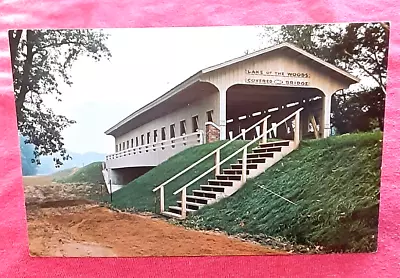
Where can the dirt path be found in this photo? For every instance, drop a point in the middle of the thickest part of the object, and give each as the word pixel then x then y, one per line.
pixel 89 230
pixel 69 227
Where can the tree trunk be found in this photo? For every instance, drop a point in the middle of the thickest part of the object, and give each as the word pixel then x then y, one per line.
pixel 14 42
pixel 24 87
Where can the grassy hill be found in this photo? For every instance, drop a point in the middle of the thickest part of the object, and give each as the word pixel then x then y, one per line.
pixel 89 174
pixel 138 194
pixel 63 173
pixel 333 188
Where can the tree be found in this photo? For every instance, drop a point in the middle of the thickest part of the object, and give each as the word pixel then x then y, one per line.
pixel 358 111
pixel 364 48
pixel 41 59
pixel 315 39
pixel 29 167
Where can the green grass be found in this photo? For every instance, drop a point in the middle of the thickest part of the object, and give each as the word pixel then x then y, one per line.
pixel 334 184
pixel 138 194
pixel 90 173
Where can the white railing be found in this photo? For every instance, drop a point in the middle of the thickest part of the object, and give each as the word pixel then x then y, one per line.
pixel 197 136
pixel 243 149
pixel 217 153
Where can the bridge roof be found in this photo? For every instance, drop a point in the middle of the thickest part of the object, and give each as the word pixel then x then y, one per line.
pixel 116 129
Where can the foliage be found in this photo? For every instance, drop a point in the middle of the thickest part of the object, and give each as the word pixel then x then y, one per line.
pixel 334 185
pixel 41 59
pixel 29 168
pixel 364 48
pixel 360 111
pixel 312 38
pixel 89 174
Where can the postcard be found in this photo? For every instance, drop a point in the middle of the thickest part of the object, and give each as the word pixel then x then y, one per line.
pixel 201 141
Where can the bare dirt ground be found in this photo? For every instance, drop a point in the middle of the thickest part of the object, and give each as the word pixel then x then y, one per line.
pixel 61 222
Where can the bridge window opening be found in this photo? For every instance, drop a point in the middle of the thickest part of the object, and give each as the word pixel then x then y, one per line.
pixel 137 141
pixel 132 143
pixel 155 136
pixel 183 127
pixel 127 144
pixel 172 134
pixel 123 145
pixel 120 147
pixel 256 114
pixel 172 131
pixel 142 139
pixel 209 116
pixel 195 123
pixel 163 135
pixel 229 121
pixel 148 137
pixel 273 109
pixel 242 117
pixel 116 147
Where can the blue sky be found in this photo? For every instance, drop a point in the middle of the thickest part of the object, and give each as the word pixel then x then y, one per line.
pixel 145 64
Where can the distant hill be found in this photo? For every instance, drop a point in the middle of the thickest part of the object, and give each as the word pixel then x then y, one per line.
pixel 79 160
pixel 89 174
pixel 64 173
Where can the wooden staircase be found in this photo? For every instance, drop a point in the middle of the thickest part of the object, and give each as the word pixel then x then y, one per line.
pixel 230 180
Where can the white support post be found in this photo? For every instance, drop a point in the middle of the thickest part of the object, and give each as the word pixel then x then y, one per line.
pixel 244 165
pixel 326 116
pixel 217 161
pixel 274 130
pixel 222 113
pixel 183 203
pixel 297 129
pixel 244 134
pixel 162 198
pixel 264 130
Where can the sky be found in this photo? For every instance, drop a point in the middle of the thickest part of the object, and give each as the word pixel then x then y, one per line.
pixel 145 64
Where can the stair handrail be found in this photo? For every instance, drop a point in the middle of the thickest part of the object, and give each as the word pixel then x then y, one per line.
pixel 211 153
pixel 297 112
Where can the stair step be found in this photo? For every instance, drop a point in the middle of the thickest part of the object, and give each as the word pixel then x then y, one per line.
pixel 275 144
pixel 234 171
pixel 176 208
pixel 197 205
pixel 249 166
pixel 213 188
pixel 221 182
pixel 253 160
pixel 171 214
pixel 260 155
pixel 229 177
pixel 198 199
pixel 267 149
pixel 208 194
